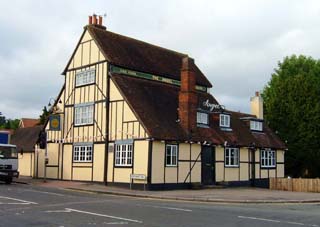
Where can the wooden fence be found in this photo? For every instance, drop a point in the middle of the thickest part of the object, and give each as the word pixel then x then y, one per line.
pixel 295 184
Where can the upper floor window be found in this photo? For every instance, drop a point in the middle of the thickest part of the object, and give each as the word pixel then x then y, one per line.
pixel 123 155
pixel 256 125
pixel 224 120
pixel 171 154
pixel 232 157
pixel 268 158
pixel 202 118
pixel 82 153
pixel 83 114
pixel 85 77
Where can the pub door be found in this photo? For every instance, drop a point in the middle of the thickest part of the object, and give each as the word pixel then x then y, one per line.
pixel 207 165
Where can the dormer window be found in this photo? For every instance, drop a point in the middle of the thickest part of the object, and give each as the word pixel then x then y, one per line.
pixel 202 118
pixel 225 120
pixel 85 77
pixel 256 125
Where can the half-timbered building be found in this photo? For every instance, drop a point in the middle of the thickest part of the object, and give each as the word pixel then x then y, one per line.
pixel 130 107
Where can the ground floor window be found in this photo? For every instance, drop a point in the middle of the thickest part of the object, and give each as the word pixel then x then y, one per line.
pixel 268 158
pixel 82 153
pixel 231 157
pixel 171 154
pixel 123 155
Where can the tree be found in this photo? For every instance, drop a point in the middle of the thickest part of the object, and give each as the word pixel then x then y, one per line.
pixel 44 116
pixel 2 120
pixel 292 109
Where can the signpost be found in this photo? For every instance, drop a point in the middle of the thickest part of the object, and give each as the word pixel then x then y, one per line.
pixel 138 177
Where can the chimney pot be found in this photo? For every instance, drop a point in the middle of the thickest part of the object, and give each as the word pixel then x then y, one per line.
pixel 94 19
pixel 100 20
pixel 257 93
pixel 90 19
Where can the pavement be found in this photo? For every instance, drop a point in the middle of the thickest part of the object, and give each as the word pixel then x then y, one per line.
pixel 212 195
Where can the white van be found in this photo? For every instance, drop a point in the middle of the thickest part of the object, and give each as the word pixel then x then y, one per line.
pixel 8 163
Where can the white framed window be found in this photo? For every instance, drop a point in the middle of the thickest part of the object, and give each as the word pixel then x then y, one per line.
pixel 123 155
pixel 268 158
pixel 171 154
pixel 82 153
pixel 85 77
pixel 256 125
pixel 231 157
pixel 224 120
pixel 83 114
pixel 202 118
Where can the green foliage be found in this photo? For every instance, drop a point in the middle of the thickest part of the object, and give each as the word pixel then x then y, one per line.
pixel 8 123
pixel 292 109
pixel 44 116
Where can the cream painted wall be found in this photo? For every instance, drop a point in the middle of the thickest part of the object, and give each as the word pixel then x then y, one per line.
pixel 67 162
pixel 82 54
pixel 122 175
pixel 140 160
pixel 82 174
pixel 26 164
pixel 157 162
pixel 220 172
pixel 171 174
pixel 98 167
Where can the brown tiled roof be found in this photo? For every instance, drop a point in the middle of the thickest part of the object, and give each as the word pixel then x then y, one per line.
pixel 28 122
pixel 141 56
pixel 155 104
pixel 26 138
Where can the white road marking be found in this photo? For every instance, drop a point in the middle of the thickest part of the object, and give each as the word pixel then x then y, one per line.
pixel 172 208
pixel 57 211
pixel 104 215
pixel 116 223
pixel 14 203
pixel 277 221
pixel 19 200
pixel 259 219
pixel 295 223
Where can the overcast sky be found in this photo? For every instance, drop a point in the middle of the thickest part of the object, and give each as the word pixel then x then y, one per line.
pixel 236 44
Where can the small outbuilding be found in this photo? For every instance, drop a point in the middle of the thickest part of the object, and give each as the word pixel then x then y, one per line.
pixel 26 140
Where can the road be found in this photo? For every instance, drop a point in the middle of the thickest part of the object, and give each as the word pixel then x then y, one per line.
pixel 30 205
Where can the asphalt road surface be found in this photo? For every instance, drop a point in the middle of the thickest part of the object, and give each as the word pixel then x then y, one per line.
pixel 26 205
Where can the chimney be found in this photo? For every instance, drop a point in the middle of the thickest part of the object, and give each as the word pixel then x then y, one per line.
pixel 256 104
pixel 187 96
pixel 94 19
pixel 100 20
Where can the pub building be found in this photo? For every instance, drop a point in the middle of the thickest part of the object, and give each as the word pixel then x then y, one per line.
pixel 130 107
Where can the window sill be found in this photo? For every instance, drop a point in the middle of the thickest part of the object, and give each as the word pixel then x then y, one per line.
pixel 171 166
pixel 228 166
pixel 122 166
pixel 202 125
pixel 79 125
pixel 227 129
pixel 82 161
pixel 256 131
pixel 268 167
pixel 83 85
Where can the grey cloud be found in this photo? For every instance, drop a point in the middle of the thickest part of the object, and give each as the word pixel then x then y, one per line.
pixel 237 44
